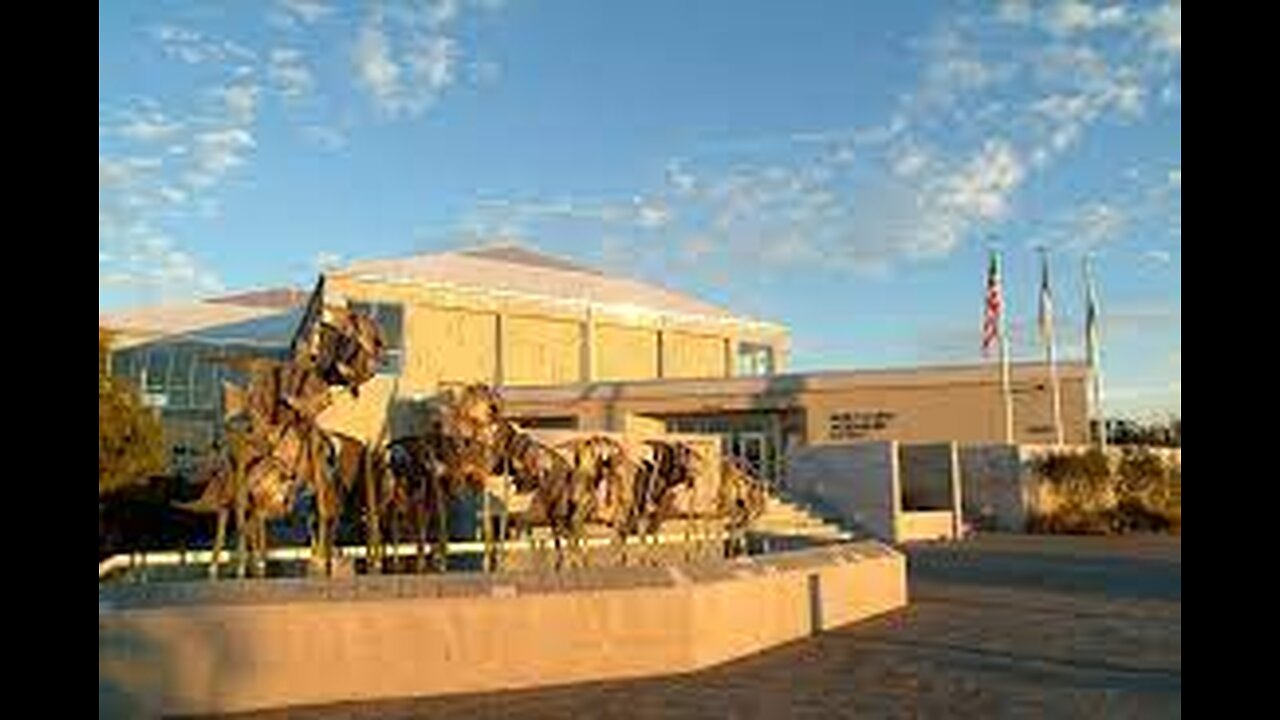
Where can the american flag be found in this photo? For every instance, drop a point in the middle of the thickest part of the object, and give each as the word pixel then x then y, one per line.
pixel 995 306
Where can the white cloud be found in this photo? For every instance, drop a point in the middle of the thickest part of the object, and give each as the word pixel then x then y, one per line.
pixel 982 187
pixel 150 128
pixel 180 42
pixel 306 11
pixel 173 195
pixel 1072 16
pixel 650 214
pixel 441 12
pixel 1175 178
pixel 289 73
pixel 963 73
pixel 434 62
pixel 680 179
pixel 195 48
pixel 240 102
pixel 1159 257
pixel 112 173
pixel 123 174
pixel 842 155
pixel 1014 11
pixel 994 104
pixel 405 61
pixel 908 160
pixel 326 260
pixel 1083 88
pixel 955 72
pixel 1094 224
pixel 216 153
pixel 375 68
pixel 1165 27
pixel 145 259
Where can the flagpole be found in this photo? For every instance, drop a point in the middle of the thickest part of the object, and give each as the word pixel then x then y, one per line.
pixel 1056 392
pixel 1006 389
pixel 1050 348
pixel 1005 381
pixel 1093 349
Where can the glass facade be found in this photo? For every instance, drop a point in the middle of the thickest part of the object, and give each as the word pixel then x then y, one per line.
pixel 184 375
pixel 753 438
pixel 755 359
pixel 183 380
pixel 390 319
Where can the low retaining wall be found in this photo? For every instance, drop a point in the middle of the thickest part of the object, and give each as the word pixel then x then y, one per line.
pixel 859 482
pixel 916 525
pixel 869 484
pixel 188 648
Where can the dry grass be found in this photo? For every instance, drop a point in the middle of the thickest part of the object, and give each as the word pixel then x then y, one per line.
pixel 1090 494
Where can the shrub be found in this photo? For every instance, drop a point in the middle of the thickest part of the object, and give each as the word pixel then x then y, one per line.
pixel 1085 495
pixel 1147 499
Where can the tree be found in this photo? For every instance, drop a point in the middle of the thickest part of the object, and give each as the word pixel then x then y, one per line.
pixel 130 442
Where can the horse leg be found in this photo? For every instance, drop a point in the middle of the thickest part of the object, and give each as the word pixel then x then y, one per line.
pixel 486 511
pixel 242 540
pixel 219 539
pixel 373 526
pixel 322 541
pixel 419 536
pixel 262 546
pixel 440 548
pixel 503 520
pixel 395 541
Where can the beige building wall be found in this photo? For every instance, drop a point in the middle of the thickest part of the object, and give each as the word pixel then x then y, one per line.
pixel 686 355
pixel 626 353
pixel 449 346
pixel 454 335
pixel 543 351
pixel 963 412
pixel 925 405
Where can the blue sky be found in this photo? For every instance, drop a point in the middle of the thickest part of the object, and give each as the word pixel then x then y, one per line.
pixel 840 167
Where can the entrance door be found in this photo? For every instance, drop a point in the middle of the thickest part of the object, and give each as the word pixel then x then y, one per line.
pixel 751 448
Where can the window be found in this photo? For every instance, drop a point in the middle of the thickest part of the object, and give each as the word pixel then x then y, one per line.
pixel 178 384
pixel 156 371
pixel 755 359
pixel 390 319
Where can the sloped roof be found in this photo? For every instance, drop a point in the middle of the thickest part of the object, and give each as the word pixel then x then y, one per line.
pixel 276 298
pixel 264 317
pixel 519 270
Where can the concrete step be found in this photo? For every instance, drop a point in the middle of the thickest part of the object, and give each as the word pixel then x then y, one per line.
pixel 783 517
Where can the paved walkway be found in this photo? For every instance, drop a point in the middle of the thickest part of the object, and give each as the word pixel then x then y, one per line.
pixel 1016 626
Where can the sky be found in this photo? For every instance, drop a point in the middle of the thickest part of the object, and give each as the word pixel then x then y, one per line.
pixel 840 167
